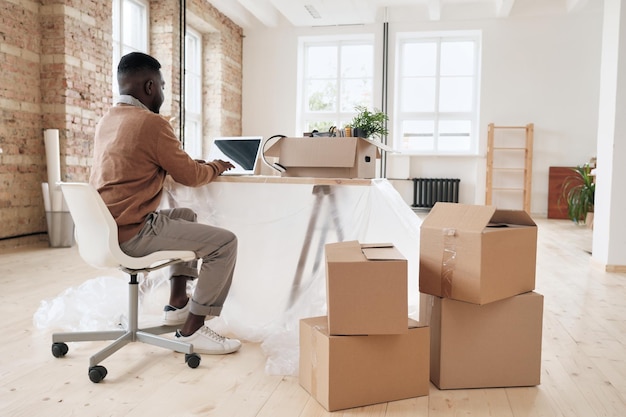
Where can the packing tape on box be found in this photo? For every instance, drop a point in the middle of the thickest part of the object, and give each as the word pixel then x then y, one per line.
pixel 448 261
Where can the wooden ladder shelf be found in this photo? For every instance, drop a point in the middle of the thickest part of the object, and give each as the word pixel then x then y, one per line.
pixel 502 158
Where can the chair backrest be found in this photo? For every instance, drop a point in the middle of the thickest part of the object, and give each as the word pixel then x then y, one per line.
pixel 95 227
pixel 96 234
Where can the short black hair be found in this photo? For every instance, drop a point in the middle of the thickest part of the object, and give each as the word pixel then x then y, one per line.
pixel 137 61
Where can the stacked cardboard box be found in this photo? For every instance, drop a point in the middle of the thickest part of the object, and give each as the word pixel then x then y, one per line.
pixel 366 350
pixel 477 277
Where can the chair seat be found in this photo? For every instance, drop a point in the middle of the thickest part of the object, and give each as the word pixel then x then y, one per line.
pixel 156 259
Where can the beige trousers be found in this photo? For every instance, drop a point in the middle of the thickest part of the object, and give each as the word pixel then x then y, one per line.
pixel 178 229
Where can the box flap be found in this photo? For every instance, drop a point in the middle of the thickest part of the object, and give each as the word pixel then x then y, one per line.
pixel 414 324
pixel 349 251
pixel 379 145
pixel 473 218
pixel 376 245
pixel 382 253
pixel 314 152
pixel 519 217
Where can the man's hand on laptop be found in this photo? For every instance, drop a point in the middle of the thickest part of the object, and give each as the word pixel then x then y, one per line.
pixel 223 165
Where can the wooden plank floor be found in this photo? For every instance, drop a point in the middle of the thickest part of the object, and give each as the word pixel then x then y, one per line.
pixel 583 366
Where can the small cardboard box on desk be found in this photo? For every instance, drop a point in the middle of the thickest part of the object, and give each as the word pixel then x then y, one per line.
pixel 371 355
pixel 327 157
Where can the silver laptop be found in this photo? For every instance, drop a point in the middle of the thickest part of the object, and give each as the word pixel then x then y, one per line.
pixel 241 151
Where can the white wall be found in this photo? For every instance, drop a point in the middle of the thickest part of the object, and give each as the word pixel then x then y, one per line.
pixel 542 70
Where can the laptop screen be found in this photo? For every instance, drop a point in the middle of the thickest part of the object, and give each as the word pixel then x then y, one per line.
pixel 241 151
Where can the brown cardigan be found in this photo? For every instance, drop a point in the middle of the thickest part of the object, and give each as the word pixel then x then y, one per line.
pixel 134 149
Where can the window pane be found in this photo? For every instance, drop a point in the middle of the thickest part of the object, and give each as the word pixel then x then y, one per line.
pixel 129 25
pixel 116 21
pixel 321 62
pixel 457 58
pixel 438 81
pixel 320 126
pixel 192 139
pixel 357 61
pixel 192 60
pixel 337 76
pixel 418 135
pixel 133 30
pixel 193 93
pixel 193 96
pixel 418 95
pixel 455 94
pixel 356 93
pixel 455 135
pixel 321 95
pixel 419 59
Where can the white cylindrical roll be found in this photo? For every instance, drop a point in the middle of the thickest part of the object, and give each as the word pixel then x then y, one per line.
pixel 53 159
pixel 46 196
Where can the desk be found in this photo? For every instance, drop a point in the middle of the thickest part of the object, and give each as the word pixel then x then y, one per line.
pixel 282 225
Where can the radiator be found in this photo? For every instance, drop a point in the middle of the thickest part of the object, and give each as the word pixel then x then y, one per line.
pixel 427 191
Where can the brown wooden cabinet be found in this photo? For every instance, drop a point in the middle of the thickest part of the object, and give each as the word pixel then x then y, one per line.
pixel 557 205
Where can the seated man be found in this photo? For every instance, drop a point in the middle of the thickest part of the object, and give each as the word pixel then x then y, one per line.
pixel 134 149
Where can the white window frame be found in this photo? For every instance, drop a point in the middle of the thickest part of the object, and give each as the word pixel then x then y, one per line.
pixel 473 115
pixel 193 76
pixel 122 24
pixel 340 118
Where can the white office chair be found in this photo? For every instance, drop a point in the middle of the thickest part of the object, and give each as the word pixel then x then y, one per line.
pixel 96 236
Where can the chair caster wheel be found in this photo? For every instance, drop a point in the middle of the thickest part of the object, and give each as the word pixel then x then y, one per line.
pixel 192 360
pixel 97 373
pixel 59 349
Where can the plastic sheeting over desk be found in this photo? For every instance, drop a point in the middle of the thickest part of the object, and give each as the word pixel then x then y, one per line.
pixel 282 228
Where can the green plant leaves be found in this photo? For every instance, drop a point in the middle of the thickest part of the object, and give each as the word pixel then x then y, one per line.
pixel 579 192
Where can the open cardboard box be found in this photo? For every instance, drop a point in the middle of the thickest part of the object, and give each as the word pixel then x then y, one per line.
pixel 353 371
pixel 366 288
pixel 327 157
pixel 477 253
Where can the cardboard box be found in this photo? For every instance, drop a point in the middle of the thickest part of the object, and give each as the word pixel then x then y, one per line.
pixel 327 157
pixel 366 289
pixel 483 346
pixel 353 371
pixel 477 253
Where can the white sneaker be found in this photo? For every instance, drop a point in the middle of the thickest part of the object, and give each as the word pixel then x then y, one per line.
pixel 206 340
pixel 173 316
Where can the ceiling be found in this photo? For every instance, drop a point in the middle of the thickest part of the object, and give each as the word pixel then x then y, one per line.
pixel 273 13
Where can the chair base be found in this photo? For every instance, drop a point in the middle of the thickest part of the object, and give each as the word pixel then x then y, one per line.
pixel 123 337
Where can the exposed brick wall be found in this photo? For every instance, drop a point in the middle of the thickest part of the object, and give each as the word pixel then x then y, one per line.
pixel 75 76
pixel 22 165
pixel 223 89
pixel 55 57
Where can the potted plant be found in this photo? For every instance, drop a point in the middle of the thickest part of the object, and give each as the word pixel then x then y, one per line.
pixel 579 192
pixel 369 123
